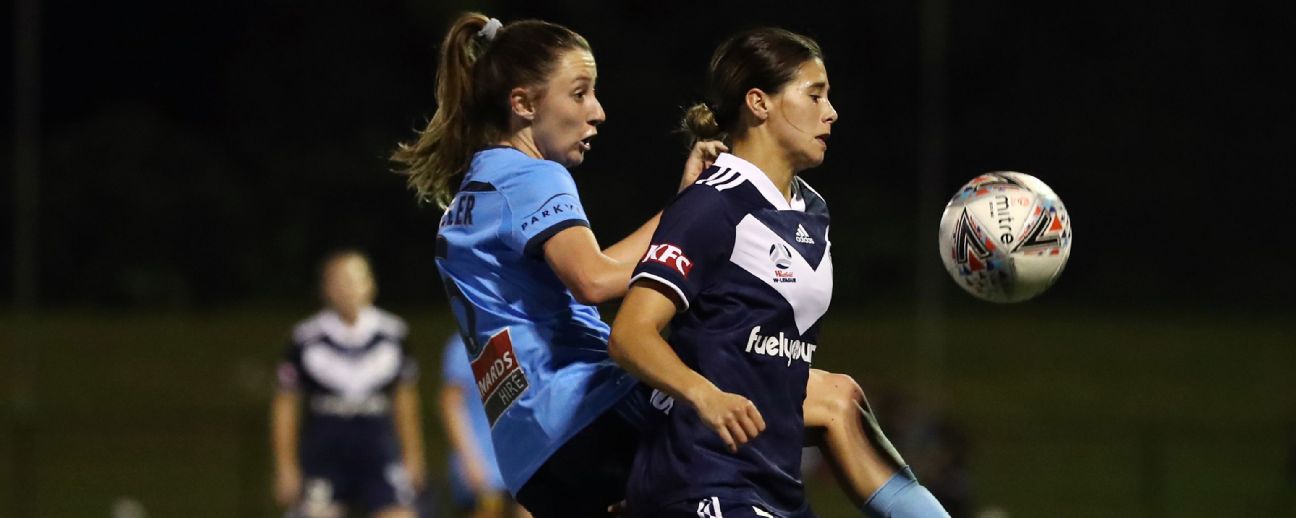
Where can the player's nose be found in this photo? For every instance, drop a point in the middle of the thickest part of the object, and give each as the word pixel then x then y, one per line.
pixel 598 115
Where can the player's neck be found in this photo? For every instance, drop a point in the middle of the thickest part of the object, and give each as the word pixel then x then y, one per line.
pixel 523 141
pixel 770 160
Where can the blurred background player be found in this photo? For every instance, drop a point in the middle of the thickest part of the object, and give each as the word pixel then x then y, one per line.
pixel 475 481
pixel 359 447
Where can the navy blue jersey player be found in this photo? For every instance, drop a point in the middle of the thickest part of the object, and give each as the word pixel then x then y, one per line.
pixel 346 430
pixel 740 267
pixel 752 274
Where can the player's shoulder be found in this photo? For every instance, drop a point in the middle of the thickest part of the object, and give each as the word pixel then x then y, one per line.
pixel 709 193
pixel 391 325
pixel 506 167
pixel 309 328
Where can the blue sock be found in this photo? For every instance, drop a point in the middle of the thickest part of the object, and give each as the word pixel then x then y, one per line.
pixel 903 497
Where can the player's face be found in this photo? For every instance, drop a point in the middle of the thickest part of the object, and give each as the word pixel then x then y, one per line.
pixel 801 117
pixel 568 113
pixel 348 285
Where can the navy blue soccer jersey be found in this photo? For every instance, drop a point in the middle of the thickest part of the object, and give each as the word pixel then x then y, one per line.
pixel 753 274
pixel 346 375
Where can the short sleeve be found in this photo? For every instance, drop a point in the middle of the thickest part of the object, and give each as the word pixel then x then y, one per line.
pixel 454 364
pixel 543 201
pixel 288 373
pixel 693 239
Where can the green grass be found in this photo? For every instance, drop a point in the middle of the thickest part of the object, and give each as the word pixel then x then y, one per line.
pixel 1068 414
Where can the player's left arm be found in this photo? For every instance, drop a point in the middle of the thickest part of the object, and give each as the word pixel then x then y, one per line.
pixel 408 420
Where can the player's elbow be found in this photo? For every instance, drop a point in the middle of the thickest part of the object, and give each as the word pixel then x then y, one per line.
pixel 592 287
pixel 619 343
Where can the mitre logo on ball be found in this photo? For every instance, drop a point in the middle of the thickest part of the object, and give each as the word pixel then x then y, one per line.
pixel 1005 236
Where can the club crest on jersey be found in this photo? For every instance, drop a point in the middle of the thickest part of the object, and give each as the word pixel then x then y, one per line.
pixel 669 255
pixel 499 375
pixel 781 256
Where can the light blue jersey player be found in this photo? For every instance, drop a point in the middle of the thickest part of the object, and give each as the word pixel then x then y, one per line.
pixel 539 356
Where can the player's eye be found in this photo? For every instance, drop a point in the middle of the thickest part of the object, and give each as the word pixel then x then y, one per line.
pixel 815 98
pixel 579 95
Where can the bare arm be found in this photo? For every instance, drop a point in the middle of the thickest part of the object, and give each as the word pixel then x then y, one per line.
pixel 409 428
pixel 284 427
pixel 459 430
pixel 636 344
pixel 595 276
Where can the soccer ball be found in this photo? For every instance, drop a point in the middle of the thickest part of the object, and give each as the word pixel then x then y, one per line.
pixel 1005 236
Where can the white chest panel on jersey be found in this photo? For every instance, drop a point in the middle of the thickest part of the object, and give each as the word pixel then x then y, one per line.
pixel 353 376
pixel 761 252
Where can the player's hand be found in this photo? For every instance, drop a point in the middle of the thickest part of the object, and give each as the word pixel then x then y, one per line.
pixel 287 489
pixel 704 153
pixel 734 418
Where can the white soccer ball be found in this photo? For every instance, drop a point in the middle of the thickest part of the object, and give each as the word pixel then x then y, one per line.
pixel 1005 236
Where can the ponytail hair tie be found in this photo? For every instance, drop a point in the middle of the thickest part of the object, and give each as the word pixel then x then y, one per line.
pixel 492 27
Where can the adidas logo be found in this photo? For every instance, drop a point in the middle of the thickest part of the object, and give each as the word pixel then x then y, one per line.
pixel 802 236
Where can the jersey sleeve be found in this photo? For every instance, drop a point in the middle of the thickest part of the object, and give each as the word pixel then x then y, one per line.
pixel 693 239
pixel 543 201
pixel 454 364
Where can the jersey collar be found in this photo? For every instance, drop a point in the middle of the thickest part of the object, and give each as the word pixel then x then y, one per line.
pixel 758 178
pixel 350 335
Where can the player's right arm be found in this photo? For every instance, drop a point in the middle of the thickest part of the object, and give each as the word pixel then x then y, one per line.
pixel 636 344
pixel 597 275
pixel 284 427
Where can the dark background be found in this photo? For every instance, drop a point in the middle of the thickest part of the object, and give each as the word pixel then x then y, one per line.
pixel 197 155
pixel 194 161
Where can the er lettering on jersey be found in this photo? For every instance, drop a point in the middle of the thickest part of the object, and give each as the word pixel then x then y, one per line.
pixel 669 255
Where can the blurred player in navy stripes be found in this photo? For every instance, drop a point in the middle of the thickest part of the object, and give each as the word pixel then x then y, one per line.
pixel 475 481
pixel 523 271
pixel 359 446
pixel 741 269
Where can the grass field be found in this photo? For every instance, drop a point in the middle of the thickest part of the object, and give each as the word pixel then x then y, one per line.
pixel 1067 414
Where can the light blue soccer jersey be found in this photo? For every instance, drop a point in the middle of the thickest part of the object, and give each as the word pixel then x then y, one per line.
pixel 539 357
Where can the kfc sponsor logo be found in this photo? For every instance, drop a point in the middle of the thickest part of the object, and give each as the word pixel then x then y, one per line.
pixel 669 255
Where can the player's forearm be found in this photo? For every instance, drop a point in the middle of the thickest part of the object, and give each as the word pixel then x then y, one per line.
pixel 640 349
pixel 284 427
pixel 408 421
pixel 456 422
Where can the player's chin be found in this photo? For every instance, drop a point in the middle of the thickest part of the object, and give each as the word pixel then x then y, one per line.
pixel 574 158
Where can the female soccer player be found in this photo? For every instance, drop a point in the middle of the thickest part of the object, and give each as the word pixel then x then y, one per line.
pixel 361 443
pixel 522 269
pixel 741 268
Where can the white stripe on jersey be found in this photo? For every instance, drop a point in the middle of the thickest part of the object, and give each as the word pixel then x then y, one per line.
pixel 731 184
pixel 723 176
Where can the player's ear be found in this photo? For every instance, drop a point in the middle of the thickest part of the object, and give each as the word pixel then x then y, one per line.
pixel 521 103
pixel 758 103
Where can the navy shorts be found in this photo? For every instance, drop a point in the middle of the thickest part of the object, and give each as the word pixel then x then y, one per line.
pixel 714 507
pixel 364 485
